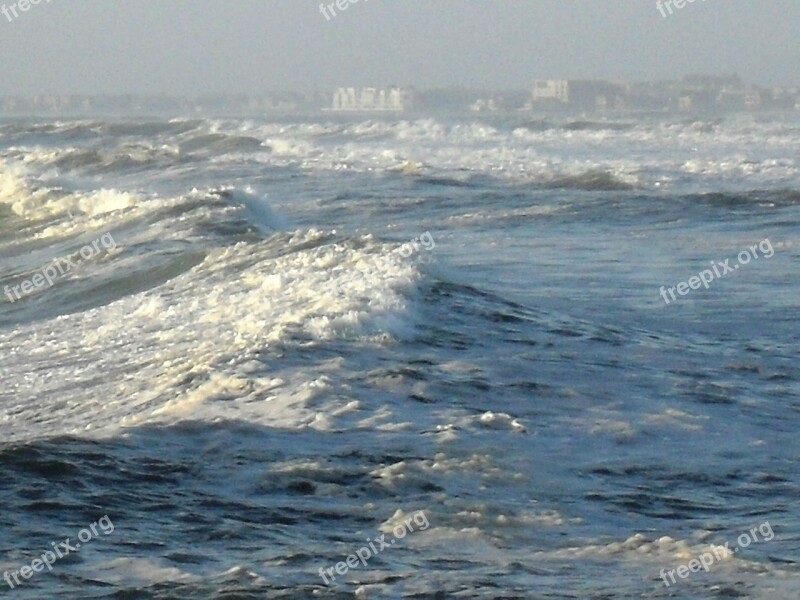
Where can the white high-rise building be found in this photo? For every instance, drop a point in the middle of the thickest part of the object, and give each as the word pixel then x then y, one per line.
pixel 393 99
pixel 551 90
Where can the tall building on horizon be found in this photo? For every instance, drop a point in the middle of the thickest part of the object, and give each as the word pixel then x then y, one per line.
pixel 370 99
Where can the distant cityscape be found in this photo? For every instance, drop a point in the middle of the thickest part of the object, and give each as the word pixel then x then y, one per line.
pixel 692 94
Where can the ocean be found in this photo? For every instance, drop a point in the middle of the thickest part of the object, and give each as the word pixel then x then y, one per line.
pixel 473 356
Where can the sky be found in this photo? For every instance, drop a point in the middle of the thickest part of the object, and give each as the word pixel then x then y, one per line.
pixel 192 47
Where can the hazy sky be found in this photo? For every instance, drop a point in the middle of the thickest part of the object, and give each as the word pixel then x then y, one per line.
pixel 200 46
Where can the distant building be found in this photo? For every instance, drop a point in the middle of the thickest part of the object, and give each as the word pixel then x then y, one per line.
pixel 703 82
pixel 732 99
pixel 551 91
pixel 686 104
pixel 393 99
pixel 753 100
pixel 703 100
pixel 582 94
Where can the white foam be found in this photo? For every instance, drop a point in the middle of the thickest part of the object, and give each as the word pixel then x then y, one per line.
pixel 138 572
pixel 654 554
pixel 188 345
pixel 645 154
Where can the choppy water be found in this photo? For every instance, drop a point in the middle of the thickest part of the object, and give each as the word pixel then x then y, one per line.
pixel 305 326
